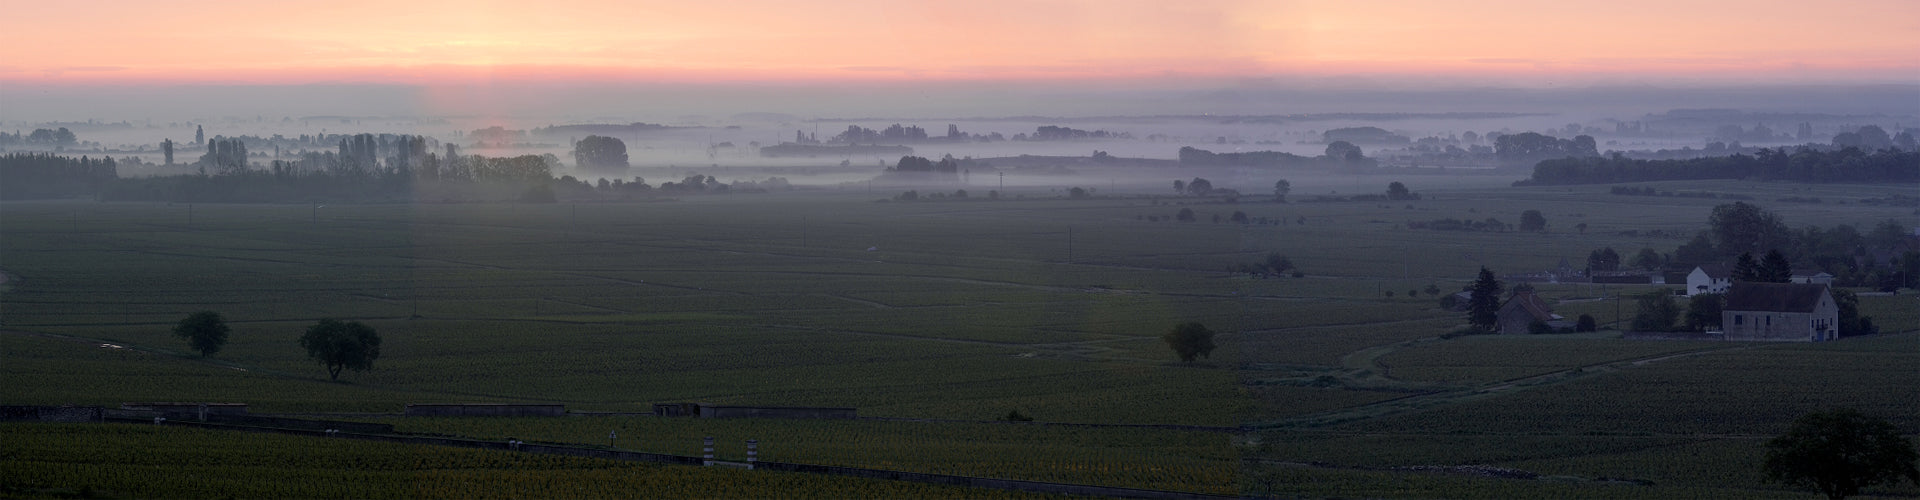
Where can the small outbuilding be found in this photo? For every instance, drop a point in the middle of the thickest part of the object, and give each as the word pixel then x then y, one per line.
pixel 1786 312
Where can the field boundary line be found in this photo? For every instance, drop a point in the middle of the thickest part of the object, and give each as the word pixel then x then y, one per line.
pixel 669 459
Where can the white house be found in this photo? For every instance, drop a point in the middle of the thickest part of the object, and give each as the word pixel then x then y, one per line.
pixel 1709 278
pixel 1794 312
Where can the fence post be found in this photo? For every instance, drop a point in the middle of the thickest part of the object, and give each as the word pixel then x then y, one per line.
pixel 708 452
pixel 753 452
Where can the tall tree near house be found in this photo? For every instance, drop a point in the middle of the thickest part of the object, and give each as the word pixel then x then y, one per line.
pixel 1746 269
pixel 1774 268
pixel 1740 227
pixel 1483 304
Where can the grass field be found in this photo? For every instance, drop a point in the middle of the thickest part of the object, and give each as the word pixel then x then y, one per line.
pixel 957 311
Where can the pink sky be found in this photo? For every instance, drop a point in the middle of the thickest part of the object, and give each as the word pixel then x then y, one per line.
pixel 433 42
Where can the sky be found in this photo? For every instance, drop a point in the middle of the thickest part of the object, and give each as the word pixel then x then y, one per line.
pixel 447 49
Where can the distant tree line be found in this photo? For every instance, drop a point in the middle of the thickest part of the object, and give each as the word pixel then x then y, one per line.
pixel 1803 164
pixel 50 137
pixel 1058 133
pixel 1529 147
pixel 45 175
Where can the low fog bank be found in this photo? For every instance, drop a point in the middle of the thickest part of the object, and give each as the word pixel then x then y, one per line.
pixel 716 104
pixel 1109 142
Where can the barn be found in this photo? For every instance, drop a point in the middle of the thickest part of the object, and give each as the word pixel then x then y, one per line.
pixel 1787 312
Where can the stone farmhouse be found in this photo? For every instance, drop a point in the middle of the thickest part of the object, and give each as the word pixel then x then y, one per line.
pixel 1789 312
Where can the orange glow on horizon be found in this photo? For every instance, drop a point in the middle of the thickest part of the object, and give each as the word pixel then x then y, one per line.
pixel 468 41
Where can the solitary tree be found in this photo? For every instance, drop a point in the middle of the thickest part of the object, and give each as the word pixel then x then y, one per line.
pixel 1398 191
pixel 338 345
pixel 1280 190
pixel 1189 339
pixel 1345 152
pixel 1179 186
pixel 597 152
pixel 166 149
pixel 206 331
pixel 1278 264
pixel 1483 304
pixel 1199 187
pixel 1531 221
pixel 1839 452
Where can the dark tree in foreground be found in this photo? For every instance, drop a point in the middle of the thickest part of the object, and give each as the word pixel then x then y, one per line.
pixel 1483 305
pixel 1839 452
pixel 206 331
pixel 338 345
pixel 1189 339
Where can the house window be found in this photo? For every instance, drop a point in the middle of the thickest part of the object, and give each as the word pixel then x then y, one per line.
pixel 1769 320
pixel 1739 319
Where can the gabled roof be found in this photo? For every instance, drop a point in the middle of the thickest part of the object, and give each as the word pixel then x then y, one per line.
pixel 1715 271
pixel 1774 297
pixel 1532 304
